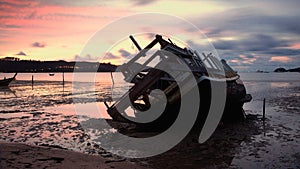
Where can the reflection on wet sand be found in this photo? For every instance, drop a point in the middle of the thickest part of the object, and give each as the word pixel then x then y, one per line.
pixel 6 90
pixel 279 146
pixel 45 114
pixel 280 84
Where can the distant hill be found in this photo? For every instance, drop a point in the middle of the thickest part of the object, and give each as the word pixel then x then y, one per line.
pixel 54 66
pixel 280 70
pixel 294 70
pixel 287 70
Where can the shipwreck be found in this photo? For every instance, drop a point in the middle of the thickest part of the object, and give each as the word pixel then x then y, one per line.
pixel 145 78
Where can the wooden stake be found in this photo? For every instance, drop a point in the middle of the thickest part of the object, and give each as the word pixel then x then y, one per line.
pixel 63 76
pixel 264 109
pixel 32 82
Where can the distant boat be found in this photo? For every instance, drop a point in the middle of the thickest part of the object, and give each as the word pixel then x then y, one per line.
pixel 51 74
pixel 5 82
pixel 260 71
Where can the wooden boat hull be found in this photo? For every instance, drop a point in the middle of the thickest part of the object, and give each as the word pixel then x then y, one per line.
pixel 233 110
pixel 6 82
pixel 146 79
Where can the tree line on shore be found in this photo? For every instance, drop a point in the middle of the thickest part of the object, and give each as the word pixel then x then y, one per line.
pixel 54 66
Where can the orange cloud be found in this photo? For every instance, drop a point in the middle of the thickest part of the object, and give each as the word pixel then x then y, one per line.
pixel 283 59
pixel 295 46
pixel 234 61
pixel 243 59
pixel 247 60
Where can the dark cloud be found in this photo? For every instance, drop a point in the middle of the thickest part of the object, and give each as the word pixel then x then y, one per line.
pixel 251 43
pixel 249 56
pixel 261 36
pixel 32 15
pixel 214 31
pixel 10 26
pixel 53 16
pixel 253 52
pixel 262 42
pixel 283 24
pixel 107 56
pixel 124 53
pixel 151 36
pixel 143 2
pixel 200 47
pixel 69 3
pixel 259 60
pixel 85 58
pixel 110 56
pixel 249 20
pixel 38 44
pixel 21 53
pixel 225 45
pixel 282 52
pixel 18 4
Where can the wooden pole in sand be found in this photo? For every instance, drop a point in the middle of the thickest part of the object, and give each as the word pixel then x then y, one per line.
pixel 32 81
pixel 264 116
pixel 112 78
pixel 264 109
pixel 63 76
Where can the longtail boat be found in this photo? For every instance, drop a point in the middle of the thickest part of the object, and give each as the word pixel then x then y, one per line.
pixel 6 81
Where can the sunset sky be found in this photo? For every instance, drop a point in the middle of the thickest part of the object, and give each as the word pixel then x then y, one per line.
pixel 250 35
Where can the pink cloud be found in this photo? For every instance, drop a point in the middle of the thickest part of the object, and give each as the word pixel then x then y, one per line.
pixel 283 59
pixel 295 46
pixel 57 24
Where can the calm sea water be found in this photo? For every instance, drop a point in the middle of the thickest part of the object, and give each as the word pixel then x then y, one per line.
pixel 106 77
pixel 103 78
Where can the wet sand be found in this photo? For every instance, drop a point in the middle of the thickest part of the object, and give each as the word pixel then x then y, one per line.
pixel 40 120
pixel 17 155
pixel 217 152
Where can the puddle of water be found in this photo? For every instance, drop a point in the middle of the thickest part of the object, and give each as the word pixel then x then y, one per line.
pixel 90 110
